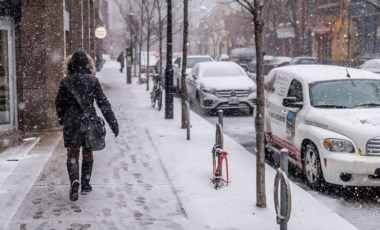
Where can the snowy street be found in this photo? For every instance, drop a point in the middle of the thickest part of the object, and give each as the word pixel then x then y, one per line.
pixel 150 177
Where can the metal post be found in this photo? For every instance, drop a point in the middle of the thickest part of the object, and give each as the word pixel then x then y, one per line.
pixel 220 117
pixel 129 52
pixel 169 66
pixel 188 126
pixel 284 168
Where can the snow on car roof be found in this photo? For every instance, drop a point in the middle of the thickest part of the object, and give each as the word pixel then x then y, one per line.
pixel 199 56
pixel 216 64
pixel 314 73
pixel 219 66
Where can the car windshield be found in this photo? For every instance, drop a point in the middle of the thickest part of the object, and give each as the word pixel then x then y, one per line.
pixel 350 93
pixel 192 61
pixel 222 71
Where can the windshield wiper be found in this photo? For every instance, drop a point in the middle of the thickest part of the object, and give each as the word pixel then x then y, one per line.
pixel 331 106
pixel 367 105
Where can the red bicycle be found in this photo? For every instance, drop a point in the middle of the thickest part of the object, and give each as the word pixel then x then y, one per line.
pixel 220 173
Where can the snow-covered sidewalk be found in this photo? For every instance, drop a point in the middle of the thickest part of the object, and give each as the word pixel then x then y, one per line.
pixel 151 177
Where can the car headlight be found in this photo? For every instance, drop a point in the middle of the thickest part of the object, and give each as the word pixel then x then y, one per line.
pixel 208 90
pixel 338 145
pixel 251 89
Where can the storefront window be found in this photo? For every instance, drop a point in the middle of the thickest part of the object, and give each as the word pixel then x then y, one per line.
pixel 4 79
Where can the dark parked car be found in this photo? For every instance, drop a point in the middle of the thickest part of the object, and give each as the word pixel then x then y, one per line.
pixel 304 61
pixel 276 62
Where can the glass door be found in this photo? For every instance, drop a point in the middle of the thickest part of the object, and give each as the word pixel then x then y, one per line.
pixel 7 85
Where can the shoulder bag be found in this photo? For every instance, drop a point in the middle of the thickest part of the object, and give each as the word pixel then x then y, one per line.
pixel 95 130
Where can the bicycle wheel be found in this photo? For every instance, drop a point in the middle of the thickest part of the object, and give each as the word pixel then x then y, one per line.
pixel 159 98
pixel 153 98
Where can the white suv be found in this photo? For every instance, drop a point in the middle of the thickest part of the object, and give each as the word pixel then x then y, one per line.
pixel 221 85
pixel 328 117
pixel 191 61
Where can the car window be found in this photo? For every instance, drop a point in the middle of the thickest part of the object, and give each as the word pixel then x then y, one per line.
pixel 192 61
pixel 345 93
pixel 295 90
pixel 223 71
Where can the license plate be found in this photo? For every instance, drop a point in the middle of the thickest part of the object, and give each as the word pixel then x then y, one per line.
pixel 233 101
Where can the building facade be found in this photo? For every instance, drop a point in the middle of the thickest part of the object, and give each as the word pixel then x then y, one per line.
pixel 215 38
pixel 35 38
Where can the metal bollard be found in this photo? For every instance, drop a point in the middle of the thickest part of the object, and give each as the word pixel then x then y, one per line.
pixel 220 117
pixel 284 168
pixel 188 126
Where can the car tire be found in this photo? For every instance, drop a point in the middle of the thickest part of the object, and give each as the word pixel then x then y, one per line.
pixel 311 167
pixel 251 110
pixel 202 111
pixel 269 155
pixel 178 89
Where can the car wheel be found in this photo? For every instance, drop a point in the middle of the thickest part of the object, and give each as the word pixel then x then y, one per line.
pixel 202 111
pixel 312 167
pixel 251 110
pixel 269 154
pixel 178 89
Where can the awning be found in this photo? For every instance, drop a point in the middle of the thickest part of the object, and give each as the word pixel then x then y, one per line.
pixel 322 31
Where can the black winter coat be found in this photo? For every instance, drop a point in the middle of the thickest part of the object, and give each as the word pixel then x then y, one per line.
pixel 69 111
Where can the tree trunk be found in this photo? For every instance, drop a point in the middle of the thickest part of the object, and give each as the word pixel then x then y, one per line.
pixel 169 67
pixel 160 36
pixel 147 56
pixel 298 49
pixel 184 119
pixel 141 40
pixel 259 123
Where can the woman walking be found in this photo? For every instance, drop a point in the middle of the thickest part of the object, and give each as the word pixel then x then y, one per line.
pixel 80 84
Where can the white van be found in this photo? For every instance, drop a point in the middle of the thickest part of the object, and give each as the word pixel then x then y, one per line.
pixel 328 117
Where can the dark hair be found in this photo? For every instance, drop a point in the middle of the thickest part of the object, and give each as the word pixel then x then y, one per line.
pixel 79 63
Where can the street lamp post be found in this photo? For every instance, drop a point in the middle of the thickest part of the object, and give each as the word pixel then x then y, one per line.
pixel 169 66
pixel 129 52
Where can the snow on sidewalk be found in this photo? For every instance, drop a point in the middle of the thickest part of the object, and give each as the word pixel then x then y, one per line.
pixel 189 166
pixel 151 177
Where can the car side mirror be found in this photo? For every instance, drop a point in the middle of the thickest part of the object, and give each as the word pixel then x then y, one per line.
pixel 292 102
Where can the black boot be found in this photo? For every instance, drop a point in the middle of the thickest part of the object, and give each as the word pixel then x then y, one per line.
pixel 73 170
pixel 86 176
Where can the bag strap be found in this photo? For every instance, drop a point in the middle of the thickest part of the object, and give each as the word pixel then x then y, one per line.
pixel 73 92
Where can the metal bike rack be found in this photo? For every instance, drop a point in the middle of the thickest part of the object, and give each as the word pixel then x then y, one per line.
pixel 220 117
pixel 219 135
pixel 283 213
pixel 188 125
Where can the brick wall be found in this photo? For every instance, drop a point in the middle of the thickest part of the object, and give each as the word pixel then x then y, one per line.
pixel 40 50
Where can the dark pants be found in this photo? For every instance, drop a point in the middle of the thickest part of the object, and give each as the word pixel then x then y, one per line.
pixel 74 153
pixel 73 166
pixel 121 66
